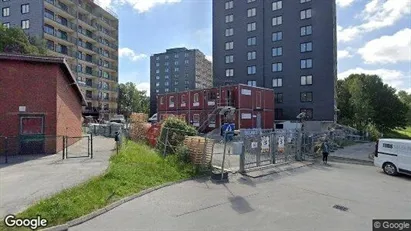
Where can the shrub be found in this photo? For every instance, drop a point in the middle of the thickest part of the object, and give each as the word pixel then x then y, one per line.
pixel 183 154
pixel 174 132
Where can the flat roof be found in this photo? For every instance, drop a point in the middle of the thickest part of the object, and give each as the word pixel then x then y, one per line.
pixel 48 59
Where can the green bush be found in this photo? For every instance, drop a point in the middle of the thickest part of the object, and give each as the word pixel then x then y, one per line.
pixel 174 132
pixel 373 132
pixel 183 154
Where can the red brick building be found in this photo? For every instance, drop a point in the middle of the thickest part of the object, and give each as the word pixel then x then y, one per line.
pixel 254 106
pixel 40 100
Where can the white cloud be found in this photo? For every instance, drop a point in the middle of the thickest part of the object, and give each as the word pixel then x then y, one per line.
pixel 144 86
pixel 209 58
pixel 394 78
pixel 342 54
pixel 388 49
pixel 376 15
pixel 129 53
pixel 344 3
pixel 140 5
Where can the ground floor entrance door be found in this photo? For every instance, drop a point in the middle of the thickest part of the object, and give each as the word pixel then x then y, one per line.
pixel 32 135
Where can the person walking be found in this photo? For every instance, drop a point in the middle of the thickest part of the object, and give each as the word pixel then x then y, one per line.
pixel 325 149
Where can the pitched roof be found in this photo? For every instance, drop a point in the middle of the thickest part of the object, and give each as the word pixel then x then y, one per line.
pixel 48 59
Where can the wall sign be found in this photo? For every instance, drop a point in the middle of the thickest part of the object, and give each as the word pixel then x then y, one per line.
pixel 22 108
pixel 245 115
pixel 245 92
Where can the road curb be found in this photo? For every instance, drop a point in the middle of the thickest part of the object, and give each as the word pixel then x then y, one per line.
pixel 80 220
pixel 350 161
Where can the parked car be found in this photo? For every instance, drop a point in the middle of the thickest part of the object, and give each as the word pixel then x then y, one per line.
pixel 118 119
pixel 153 119
pixel 393 156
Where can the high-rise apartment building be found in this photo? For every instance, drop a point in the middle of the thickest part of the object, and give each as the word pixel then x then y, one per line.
pixel 178 69
pixel 84 33
pixel 287 45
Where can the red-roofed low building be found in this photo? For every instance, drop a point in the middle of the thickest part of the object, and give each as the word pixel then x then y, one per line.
pixel 40 102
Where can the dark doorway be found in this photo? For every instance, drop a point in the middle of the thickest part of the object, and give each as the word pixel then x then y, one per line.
pixel 32 135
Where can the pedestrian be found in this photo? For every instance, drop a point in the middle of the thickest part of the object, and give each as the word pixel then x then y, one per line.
pixel 325 149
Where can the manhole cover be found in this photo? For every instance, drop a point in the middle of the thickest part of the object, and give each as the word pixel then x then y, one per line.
pixel 340 207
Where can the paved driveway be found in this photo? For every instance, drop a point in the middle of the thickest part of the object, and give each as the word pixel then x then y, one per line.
pixel 24 183
pixel 299 200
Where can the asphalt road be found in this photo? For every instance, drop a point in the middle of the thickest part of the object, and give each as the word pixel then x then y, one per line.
pixel 302 199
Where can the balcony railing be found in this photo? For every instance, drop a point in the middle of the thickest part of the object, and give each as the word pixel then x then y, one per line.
pixel 87 21
pixel 61 22
pixel 62 50
pixel 84 45
pixel 83 32
pixel 64 8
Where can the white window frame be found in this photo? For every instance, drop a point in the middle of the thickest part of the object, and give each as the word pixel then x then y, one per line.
pixel 306 80
pixel 229 5
pixel 229 45
pixel 279 67
pixel 278 51
pixel 252 83
pixel 229 59
pixel 276 21
pixel 252 12
pixel 252 41
pixel 306 14
pixel 251 26
pixel 229 72
pixel 229 32
pixel 5 12
pixel 25 8
pixel 304 64
pixel 251 55
pixel 229 18
pixel 171 101
pixel 277 82
pixel 251 70
pixel 277 5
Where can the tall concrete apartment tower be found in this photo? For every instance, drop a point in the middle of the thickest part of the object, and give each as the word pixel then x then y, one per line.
pixel 81 31
pixel 287 45
pixel 178 69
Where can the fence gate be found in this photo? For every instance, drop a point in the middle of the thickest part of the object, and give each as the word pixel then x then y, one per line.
pixel 75 147
pixel 265 147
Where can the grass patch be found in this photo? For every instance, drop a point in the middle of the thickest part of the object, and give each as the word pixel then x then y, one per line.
pixel 135 168
pixel 399 134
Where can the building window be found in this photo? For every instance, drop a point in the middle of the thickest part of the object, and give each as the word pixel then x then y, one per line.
pixel 229 58
pixel 229 45
pixel 251 12
pixel 186 55
pixel 166 83
pixel 251 26
pixel 306 63
pixel 229 32
pixel 229 5
pixel 166 90
pixel 167 77
pixel 166 57
pixel 308 112
pixel 229 18
pixel 252 41
pixel 277 5
pixel 166 63
pixel 277 82
pixel 306 47
pixel 196 98
pixel 249 1
pixel 277 67
pixel 252 83
pixel 157 84
pixel 6 11
pixel 277 36
pixel 161 100
pixel 25 24
pixel 277 51
pixel 157 64
pixel 304 1
pixel 306 96
pixel 306 30
pixel 176 69
pixel 278 97
pixel 229 72
pixel 278 114
pixel 306 80
pixel 157 71
pixel 171 101
pixel 176 63
pixel 157 91
pixel 158 58
pixel 251 55
pixel 166 70
pixel 6 25
pixel 186 61
pixel 25 8
pixel 277 21
pixel 305 14
pixel 157 77
pixel 251 70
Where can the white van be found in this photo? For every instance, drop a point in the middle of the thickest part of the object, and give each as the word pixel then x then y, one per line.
pixel 393 156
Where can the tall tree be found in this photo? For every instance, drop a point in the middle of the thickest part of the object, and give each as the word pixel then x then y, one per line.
pixel 14 40
pixel 365 99
pixel 132 100
pixel 406 98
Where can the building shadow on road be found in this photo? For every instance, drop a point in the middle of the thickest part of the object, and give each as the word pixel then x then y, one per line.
pixel 18 159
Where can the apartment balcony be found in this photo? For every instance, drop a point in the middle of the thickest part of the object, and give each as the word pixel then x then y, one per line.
pixel 87 49
pixel 109 56
pixel 107 35
pixel 86 23
pixel 83 34
pixel 109 67
pixel 57 22
pixel 61 9
pixel 62 52
pixel 112 47
pixel 85 9
pixel 107 23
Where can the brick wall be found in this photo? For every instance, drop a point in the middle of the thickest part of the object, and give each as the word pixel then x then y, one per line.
pixel 43 89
